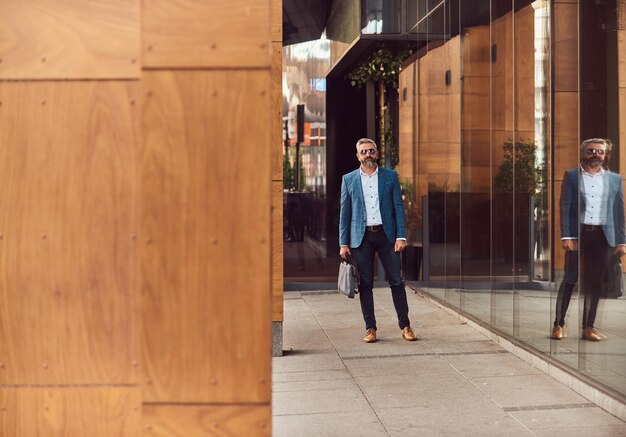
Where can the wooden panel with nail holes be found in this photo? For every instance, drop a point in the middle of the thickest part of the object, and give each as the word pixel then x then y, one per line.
pixel 277 21
pixel 206 219
pixel 70 411
pixel 200 33
pixel 217 420
pixel 85 39
pixel 68 213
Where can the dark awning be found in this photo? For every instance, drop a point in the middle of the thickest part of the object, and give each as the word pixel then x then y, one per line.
pixel 304 20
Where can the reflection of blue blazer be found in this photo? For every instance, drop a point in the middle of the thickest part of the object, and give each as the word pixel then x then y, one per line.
pixel 613 199
pixel 353 218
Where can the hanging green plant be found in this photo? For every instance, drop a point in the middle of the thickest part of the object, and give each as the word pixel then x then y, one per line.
pixel 382 64
pixel 383 68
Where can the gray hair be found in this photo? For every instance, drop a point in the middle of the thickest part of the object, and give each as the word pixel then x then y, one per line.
pixel 602 141
pixel 366 141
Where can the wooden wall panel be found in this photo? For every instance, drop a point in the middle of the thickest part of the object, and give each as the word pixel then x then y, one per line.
pixel 406 147
pixel 476 171
pixel 72 411
pixel 476 55
pixel 277 112
pixel 277 251
pixel 476 103
pixel 621 74
pixel 50 39
pixel 67 219
pixel 200 33
pixel 437 115
pixel 219 420
pixel 525 72
pixel 565 132
pixel 276 154
pixel 565 42
pixel 565 109
pixel 277 21
pixel 206 221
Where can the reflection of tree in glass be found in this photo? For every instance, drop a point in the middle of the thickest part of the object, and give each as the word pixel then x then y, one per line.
pixel 519 170
pixel 288 174
pixel 411 210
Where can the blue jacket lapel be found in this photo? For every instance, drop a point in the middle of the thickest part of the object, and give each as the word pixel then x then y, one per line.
pixel 381 183
pixel 358 186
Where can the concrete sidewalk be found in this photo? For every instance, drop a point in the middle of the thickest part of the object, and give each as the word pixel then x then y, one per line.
pixel 452 382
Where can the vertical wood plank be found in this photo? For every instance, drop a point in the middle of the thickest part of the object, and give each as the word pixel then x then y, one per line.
pixel 56 411
pixel 277 251
pixel 49 39
pixel 277 112
pixel 68 214
pixel 566 101
pixel 206 219
pixel 221 420
pixel 200 33
pixel 277 21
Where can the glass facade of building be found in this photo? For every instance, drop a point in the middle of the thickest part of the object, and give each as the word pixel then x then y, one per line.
pixel 492 114
pixel 492 109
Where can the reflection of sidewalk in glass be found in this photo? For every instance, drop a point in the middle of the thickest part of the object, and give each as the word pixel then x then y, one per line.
pixel 308 258
pixel 528 315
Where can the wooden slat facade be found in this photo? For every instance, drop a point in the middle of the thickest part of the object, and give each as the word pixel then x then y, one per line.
pixel 139 220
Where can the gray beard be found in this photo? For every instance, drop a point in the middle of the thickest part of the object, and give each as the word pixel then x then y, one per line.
pixel 594 163
pixel 369 164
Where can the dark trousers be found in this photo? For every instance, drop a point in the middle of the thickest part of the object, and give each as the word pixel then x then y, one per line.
pixel 566 288
pixel 594 254
pixel 378 243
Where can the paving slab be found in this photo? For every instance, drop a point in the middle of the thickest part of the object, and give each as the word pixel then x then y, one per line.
pixel 527 390
pixel 328 425
pixel 455 420
pixel 588 421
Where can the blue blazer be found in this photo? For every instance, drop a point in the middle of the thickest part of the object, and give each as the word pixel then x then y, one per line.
pixel 614 230
pixel 353 218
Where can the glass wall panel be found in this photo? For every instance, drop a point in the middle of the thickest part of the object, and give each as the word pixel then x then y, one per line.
pixel 565 108
pixel 381 16
pixel 434 152
pixel 501 94
pixel 475 115
pixel 601 58
pixel 531 149
pixel 446 110
pixel 305 225
pixel 499 49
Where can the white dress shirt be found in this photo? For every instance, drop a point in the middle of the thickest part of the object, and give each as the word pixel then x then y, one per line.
pixel 595 208
pixel 369 183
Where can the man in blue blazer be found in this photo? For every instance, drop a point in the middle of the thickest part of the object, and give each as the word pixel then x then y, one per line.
pixel 599 227
pixel 372 222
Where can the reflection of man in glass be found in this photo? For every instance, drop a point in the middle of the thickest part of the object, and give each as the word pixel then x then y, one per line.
pixel 602 232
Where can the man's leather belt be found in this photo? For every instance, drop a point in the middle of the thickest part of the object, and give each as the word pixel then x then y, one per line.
pixel 592 227
pixel 374 228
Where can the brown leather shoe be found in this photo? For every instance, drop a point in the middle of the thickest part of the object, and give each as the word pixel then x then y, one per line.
pixel 371 336
pixel 557 333
pixel 591 334
pixel 408 334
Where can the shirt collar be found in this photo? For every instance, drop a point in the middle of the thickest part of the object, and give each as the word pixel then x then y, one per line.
pixel 368 175
pixel 600 173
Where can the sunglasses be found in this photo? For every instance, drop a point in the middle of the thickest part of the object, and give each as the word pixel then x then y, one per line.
pixel 370 151
pixel 595 151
